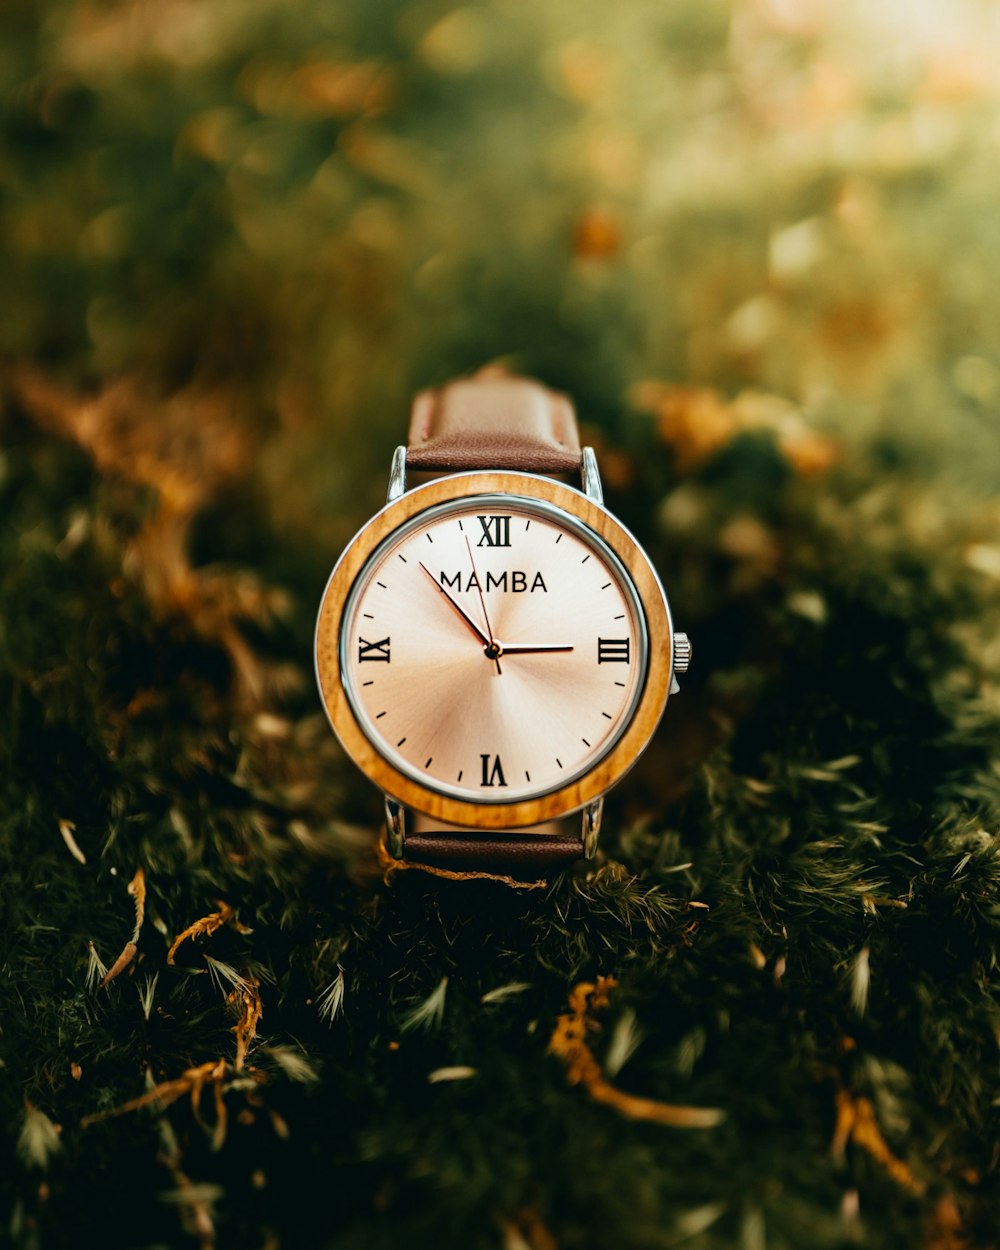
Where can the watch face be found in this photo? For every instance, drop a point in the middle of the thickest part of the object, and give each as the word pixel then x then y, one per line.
pixel 493 648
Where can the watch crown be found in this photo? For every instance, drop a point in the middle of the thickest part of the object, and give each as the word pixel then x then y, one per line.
pixel 682 653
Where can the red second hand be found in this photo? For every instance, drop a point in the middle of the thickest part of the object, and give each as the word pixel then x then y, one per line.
pixel 482 604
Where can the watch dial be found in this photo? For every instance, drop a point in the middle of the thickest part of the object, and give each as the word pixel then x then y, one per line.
pixel 493 649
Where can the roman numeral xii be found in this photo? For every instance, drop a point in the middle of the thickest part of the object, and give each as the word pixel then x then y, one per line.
pixel 496 531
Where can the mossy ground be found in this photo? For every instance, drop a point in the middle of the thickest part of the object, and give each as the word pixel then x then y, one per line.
pixel 758 244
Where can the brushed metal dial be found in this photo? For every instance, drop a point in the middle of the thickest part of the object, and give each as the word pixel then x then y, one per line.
pixel 493 649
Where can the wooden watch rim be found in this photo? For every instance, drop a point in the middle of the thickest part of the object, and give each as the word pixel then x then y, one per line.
pixel 467 813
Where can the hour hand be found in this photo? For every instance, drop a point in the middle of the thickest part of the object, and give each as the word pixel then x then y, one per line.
pixel 483 638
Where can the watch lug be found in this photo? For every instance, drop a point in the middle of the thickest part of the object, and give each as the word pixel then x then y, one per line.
pixel 592 814
pixel 397 475
pixel 395 827
pixel 591 475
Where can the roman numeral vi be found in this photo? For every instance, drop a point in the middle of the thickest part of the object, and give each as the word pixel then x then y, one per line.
pixel 612 650
pixel 373 650
pixel 492 774
pixel 496 531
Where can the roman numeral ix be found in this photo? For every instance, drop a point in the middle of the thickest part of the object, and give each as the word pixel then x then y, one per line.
pixel 373 650
pixel 613 650
pixel 496 531
pixel 492 774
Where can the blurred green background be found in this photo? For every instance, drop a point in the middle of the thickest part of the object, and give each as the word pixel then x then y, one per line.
pixel 759 243
pixel 324 206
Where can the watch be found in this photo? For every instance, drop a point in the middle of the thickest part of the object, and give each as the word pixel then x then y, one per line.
pixel 494 649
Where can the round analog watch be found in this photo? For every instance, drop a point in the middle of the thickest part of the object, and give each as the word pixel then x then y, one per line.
pixel 494 649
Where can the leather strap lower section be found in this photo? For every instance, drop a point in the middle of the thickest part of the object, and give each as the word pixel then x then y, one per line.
pixel 524 855
pixel 493 420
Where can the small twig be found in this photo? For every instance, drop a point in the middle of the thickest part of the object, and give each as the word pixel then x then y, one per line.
pixel 137 888
pixel 569 1043
pixel 389 864
pixel 856 1122
pixel 207 925
pixel 245 999
pixel 192 1081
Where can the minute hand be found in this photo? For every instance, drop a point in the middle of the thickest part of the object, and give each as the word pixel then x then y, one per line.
pixel 526 648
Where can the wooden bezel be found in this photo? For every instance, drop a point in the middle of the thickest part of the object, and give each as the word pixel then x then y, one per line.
pixel 446 808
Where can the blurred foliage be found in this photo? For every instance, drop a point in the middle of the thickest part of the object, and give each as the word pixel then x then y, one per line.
pixel 758 243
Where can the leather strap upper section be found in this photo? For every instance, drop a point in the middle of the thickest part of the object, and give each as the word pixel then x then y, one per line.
pixel 524 855
pixel 493 420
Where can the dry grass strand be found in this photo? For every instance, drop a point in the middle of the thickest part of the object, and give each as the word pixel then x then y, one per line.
pixel 569 1043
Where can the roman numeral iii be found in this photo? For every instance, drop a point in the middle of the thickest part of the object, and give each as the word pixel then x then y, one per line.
pixel 613 650
pixel 496 531
pixel 373 650
pixel 492 773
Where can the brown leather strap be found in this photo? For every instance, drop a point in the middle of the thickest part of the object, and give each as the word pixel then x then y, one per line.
pixel 522 855
pixel 493 420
